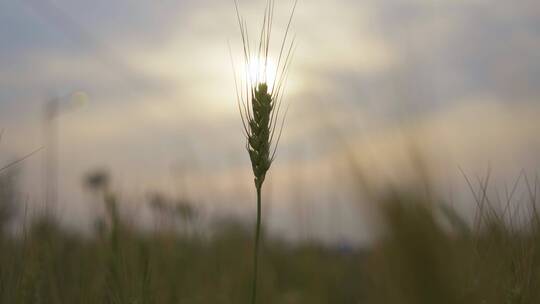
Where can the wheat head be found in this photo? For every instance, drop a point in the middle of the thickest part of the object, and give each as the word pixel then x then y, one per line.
pixel 259 101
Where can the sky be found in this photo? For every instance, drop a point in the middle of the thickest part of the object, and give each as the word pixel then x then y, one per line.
pixel 458 81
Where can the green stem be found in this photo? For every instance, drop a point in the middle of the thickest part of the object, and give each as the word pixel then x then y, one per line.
pixel 256 250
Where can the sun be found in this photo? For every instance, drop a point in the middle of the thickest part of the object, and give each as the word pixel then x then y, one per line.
pixel 262 70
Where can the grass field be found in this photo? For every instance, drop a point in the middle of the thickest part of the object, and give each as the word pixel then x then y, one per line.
pixel 389 97
pixel 426 254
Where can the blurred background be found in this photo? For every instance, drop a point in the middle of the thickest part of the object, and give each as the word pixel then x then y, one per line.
pixel 458 78
pixel 137 98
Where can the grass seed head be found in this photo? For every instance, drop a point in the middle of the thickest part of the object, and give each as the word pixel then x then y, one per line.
pixel 259 138
pixel 260 98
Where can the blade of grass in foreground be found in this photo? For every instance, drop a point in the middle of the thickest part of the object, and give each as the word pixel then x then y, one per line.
pixel 259 100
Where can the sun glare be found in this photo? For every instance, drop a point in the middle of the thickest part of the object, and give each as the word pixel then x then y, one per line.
pixel 262 70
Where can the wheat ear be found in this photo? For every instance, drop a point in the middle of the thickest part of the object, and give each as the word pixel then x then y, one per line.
pixel 260 107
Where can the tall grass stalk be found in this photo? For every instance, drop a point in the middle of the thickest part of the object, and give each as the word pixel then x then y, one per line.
pixel 259 100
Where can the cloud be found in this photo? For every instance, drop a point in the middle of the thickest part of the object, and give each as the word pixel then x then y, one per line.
pixel 159 78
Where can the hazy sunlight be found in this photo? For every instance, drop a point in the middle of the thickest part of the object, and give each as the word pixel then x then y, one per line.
pixel 262 70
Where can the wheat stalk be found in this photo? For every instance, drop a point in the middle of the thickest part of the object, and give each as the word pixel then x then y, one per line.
pixel 260 106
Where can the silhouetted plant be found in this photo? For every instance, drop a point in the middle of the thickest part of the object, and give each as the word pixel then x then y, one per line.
pixel 259 102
